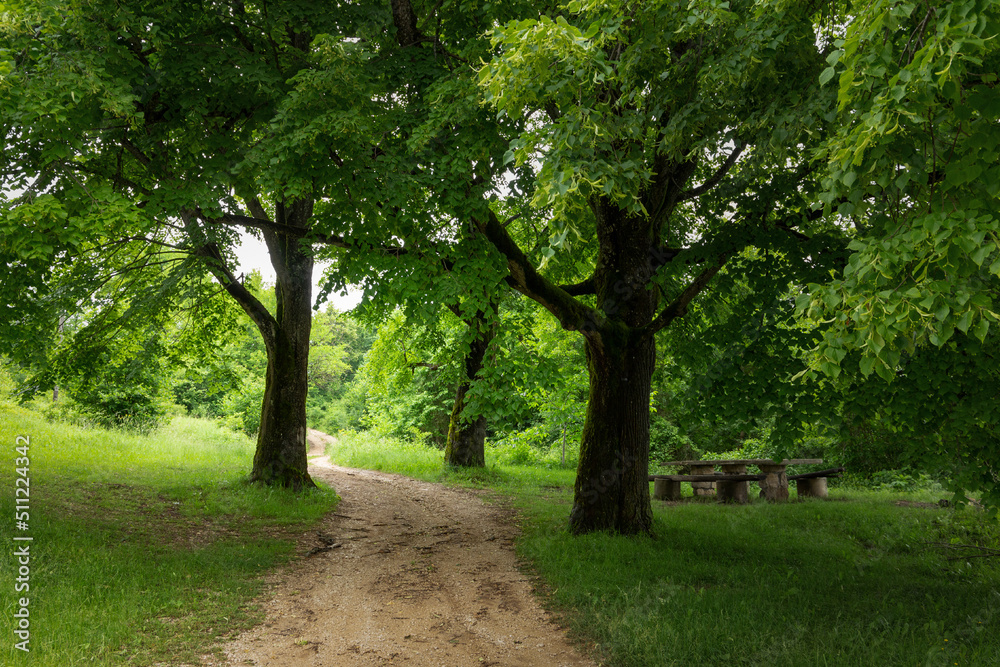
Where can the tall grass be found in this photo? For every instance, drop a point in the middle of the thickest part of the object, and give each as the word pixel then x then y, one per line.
pixel 145 548
pixel 860 579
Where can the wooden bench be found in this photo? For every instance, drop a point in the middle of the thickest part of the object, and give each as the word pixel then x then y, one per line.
pixel 730 485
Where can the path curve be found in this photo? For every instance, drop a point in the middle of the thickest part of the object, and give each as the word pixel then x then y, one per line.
pixel 425 576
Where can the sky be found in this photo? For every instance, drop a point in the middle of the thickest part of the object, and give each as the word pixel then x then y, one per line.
pixel 252 254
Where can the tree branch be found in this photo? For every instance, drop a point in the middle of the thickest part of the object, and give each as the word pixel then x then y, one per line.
pixel 252 222
pixel 572 315
pixel 144 239
pixel 665 192
pixel 405 20
pixel 794 232
pixel 678 307
pixel 135 152
pixel 424 364
pixel 717 177
pixel 266 224
pixel 216 264
pixel 581 288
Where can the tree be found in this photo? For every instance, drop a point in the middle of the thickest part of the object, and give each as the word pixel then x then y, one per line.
pixel 466 446
pixel 668 141
pixel 900 335
pixel 685 133
pixel 143 128
pixel 409 376
pixel 913 169
pixel 908 329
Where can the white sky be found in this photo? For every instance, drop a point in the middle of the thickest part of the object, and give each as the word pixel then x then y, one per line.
pixel 252 254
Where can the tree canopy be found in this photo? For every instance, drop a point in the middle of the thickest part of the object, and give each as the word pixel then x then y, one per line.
pixel 828 170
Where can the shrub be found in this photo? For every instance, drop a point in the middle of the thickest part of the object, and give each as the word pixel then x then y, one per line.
pixel 7 383
pixel 242 408
pixel 668 443
pixel 891 480
pixel 198 397
pixel 535 445
pixel 127 393
pixel 330 414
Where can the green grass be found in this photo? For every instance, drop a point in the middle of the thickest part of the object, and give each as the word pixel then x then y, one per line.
pixel 853 580
pixel 145 548
pixel 363 450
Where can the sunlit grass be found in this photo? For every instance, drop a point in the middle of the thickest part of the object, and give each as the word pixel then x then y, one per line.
pixel 184 451
pixel 357 450
pixel 146 548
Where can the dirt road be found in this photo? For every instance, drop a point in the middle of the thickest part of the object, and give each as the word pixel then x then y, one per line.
pixel 424 576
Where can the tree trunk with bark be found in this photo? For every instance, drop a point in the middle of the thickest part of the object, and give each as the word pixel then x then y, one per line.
pixel 281 442
pixel 612 491
pixel 612 487
pixel 280 458
pixel 467 439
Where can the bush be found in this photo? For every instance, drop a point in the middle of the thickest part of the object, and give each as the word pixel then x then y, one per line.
pixel 870 446
pixel 330 414
pixel 198 398
pixel 891 480
pixel 7 383
pixel 668 443
pixel 535 445
pixel 127 393
pixel 242 408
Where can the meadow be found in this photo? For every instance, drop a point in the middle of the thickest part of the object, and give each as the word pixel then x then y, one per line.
pixel 861 578
pixel 144 548
pixel 152 549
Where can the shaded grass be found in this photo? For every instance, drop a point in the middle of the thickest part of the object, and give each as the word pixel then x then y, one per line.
pixel 858 579
pixel 146 548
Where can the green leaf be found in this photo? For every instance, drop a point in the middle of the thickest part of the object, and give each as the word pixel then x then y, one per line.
pixel 829 368
pixel 884 371
pixel 981 328
pixel 980 254
pixel 964 321
pixel 867 364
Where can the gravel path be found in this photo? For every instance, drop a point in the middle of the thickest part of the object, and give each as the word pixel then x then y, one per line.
pixel 424 576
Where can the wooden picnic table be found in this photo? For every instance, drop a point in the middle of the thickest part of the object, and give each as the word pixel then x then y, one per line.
pixel 731 484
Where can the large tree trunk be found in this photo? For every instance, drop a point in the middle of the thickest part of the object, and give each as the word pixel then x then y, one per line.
pixel 467 439
pixel 612 488
pixel 281 442
pixel 280 458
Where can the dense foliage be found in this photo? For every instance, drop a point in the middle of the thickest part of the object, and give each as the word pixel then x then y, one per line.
pixel 774 223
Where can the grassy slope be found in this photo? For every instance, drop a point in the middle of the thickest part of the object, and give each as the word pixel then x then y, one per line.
pixel 145 548
pixel 848 581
